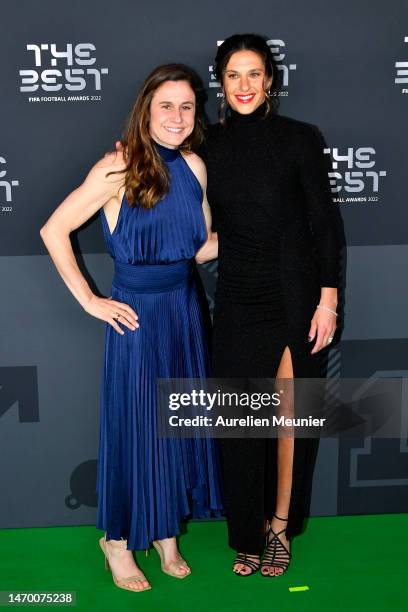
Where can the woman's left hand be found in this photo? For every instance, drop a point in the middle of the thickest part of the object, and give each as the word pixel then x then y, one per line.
pixel 209 249
pixel 322 327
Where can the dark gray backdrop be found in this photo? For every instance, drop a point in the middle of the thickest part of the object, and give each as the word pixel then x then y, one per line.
pixel 343 69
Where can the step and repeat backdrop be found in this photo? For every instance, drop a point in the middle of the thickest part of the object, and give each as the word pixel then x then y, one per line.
pixel 69 73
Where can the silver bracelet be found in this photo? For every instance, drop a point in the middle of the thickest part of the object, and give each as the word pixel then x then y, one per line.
pixel 327 308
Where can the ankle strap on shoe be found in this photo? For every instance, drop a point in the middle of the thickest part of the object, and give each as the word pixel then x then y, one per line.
pixel 279 518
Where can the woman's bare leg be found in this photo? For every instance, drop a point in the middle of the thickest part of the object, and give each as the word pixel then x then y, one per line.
pixel 122 563
pixel 285 447
pixel 172 555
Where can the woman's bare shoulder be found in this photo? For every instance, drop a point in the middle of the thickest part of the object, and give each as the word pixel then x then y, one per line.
pixel 111 162
pixel 196 164
pixel 105 177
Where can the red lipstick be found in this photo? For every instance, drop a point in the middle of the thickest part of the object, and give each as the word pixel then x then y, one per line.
pixel 245 98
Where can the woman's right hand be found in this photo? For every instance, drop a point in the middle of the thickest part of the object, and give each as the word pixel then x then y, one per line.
pixel 112 311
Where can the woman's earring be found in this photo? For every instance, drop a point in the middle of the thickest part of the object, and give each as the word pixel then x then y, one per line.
pixel 268 100
pixel 223 107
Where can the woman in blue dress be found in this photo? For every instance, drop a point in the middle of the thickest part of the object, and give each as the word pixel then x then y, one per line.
pixel 155 218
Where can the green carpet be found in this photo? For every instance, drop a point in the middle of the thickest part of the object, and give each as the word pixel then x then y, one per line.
pixel 349 563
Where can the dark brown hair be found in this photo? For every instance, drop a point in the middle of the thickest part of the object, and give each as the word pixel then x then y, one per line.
pixel 246 42
pixel 147 178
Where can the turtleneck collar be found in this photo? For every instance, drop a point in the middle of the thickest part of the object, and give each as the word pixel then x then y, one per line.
pixel 167 154
pixel 234 117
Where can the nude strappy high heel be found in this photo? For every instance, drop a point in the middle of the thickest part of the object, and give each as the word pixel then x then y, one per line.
pixel 122 583
pixel 173 566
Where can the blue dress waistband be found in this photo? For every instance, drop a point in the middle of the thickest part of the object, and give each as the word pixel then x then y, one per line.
pixel 151 278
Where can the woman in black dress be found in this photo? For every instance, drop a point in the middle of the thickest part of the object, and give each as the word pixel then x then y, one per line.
pixel 278 260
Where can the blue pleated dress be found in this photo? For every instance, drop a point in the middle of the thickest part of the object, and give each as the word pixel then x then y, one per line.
pixel 147 485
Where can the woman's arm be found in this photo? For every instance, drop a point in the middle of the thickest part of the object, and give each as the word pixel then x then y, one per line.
pixel 325 224
pixel 74 211
pixel 209 250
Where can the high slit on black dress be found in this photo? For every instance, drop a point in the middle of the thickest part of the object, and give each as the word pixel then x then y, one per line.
pixel 278 245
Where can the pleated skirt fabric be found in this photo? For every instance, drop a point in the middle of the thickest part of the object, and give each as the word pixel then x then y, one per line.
pixel 147 485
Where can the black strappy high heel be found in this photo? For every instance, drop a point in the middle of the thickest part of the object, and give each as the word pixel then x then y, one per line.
pixel 243 558
pixel 276 554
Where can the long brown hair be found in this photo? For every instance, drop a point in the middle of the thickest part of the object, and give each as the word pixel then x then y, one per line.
pixel 147 178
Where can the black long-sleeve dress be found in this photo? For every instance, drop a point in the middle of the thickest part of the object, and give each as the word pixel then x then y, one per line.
pixel 278 245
